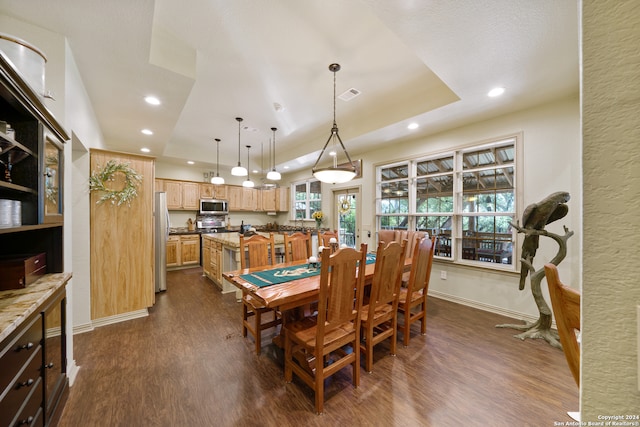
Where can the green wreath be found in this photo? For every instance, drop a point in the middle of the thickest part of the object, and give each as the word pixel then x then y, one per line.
pixel 100 177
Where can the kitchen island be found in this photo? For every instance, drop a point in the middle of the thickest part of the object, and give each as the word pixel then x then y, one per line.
pixel 221 252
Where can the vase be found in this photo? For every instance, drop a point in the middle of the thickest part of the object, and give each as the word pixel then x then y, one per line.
pixel 318 222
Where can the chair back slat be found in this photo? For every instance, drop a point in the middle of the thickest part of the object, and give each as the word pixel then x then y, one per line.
pixel 326 236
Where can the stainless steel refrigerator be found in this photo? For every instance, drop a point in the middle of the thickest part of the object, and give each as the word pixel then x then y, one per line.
pixel 161 224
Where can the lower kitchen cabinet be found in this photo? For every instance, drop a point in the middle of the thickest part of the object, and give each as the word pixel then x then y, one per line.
pixel 173 251
pixel 190 249
pixel 183 250
pixel 212 260
pixel 33 379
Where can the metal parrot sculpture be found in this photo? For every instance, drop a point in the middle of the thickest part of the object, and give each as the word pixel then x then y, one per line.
pixel 536 216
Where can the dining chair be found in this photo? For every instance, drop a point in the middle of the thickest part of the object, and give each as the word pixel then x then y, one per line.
pixel 297 246
pixel 379 317
pixel 565 302
pixel 256 251
pixel 413 299
pixel 324 237
pixel 318 347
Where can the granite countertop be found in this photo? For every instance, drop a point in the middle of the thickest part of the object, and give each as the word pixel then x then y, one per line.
pixel 183 230
pixel 233 239
pixel 16 305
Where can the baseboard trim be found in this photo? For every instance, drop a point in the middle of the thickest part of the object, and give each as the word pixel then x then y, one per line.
pixel 81 329
pixel 72 371
pixel 110 320
pixel 484 307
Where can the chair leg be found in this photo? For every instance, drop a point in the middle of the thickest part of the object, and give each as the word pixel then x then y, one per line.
pixel 258 330
pixel 356 361
pixel 406 327
pixel 245 316
pixel 319 385
pixel 394 334
pixel 288 357
pixel 423 326
pixel 368 353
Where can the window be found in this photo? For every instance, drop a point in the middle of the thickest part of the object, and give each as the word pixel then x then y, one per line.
pixel 466 198
pixel 307 198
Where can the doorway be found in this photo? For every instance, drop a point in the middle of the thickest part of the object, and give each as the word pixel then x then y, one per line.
pixel 347 213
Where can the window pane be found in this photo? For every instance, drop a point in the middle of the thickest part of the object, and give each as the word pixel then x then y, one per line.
pixel 394 172
pixel 434 194
pixel 394 222
pixel 315 190
pixel 395 197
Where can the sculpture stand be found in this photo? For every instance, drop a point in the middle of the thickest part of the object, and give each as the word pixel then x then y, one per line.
pixel 542 327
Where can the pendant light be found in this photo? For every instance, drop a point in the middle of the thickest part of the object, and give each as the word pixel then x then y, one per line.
pixel 248 182
pixel 239 170
pixel 334 174
pixel 218 180
pixel 273 174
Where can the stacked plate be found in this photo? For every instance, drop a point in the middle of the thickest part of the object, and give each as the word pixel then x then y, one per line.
pixel 10 213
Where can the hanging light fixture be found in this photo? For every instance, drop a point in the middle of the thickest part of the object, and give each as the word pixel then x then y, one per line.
pixel 218 180
pixel 273 174
pixel 334 174
pixel 248 182
pixel 239 170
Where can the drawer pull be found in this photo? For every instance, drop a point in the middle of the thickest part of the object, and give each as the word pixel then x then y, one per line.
pixel 27 421
pixel 26 346
pixel 27 383
pixel 49 365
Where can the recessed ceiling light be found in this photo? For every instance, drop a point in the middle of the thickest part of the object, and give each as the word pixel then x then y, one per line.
pixel 413 126
pixel 145 150
pixel 152 100
pixel 190 162
pixel 332 153
pixel 147 131
pixel 496 91
pixel 285 167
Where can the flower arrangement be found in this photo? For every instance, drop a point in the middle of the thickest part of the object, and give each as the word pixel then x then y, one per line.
pixel 318 216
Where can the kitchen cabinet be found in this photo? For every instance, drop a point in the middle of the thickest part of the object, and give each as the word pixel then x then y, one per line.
pixel 33 379
pixel 282 199
pixel 211 191
pixel 190 196
pixel 181 195
pixel 206 257
pixel 54 353
pixel 212 260
pixel 173 251
pixel 174 194
pixel 244 198
pixel 190 249
pixel 269 199
pixel 159 185
pixel 183 250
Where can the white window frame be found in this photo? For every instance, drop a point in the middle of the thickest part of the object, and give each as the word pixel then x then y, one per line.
pixel 456 249
pixel 308 200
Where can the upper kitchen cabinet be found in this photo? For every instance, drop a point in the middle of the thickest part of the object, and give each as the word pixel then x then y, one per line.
pixel 31 165
pixel 211 191
pixel 181 195
pixel 282 199
pixel 244 198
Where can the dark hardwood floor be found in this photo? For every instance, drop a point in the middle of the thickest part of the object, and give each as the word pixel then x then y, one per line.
pixel 187 364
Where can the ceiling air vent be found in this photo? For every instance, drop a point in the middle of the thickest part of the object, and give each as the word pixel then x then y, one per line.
pixel 349 94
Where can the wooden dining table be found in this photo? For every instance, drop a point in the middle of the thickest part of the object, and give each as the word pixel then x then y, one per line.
pixel 290 294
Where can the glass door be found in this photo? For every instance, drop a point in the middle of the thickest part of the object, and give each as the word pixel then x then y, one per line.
pixel 347 214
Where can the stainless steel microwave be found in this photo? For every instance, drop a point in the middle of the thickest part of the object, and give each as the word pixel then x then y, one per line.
pixel 214 207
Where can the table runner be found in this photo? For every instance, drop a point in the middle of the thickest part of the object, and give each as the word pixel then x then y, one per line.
pixel 276 276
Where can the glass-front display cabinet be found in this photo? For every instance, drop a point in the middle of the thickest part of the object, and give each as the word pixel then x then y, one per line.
pixel 52 181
